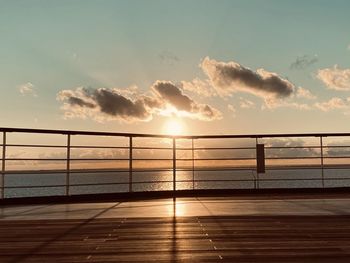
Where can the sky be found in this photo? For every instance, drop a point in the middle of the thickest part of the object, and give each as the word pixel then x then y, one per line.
pixel 217 67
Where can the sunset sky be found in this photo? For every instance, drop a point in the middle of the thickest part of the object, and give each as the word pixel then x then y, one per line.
pixel 224 67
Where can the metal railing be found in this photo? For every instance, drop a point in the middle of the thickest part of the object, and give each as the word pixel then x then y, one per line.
pixel 203 170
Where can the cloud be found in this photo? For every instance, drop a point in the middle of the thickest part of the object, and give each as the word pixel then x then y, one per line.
pixel 27 89
pixel 76 98
pixel 335 78
pixel 231 77
pixel 289 152
pixel 232 109
pixel 332 104
pixel 304 62
pixel 333 150
pixel 129 106
pixel 105 103
pixel 286 104
pixel 200 87
pixel 349 47
pixel 304 93
pixel 173 95
pixel 246 104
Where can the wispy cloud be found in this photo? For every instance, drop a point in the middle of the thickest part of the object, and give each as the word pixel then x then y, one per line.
pixel 335 78
pixel 27 89
pixel 304 62
pixel 246 104
pixel 230 77
pixel 333 104
pixel 286 104
pixel 298 151
pixel 305 93
pixel 200 87
pixel 232 109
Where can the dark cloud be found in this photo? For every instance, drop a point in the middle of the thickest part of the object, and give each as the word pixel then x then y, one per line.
pixel 80 102
pixel 304 62
pixel 83 102
pixel 114 104
pixel 117 104
pixel 230 77
pixel 174 96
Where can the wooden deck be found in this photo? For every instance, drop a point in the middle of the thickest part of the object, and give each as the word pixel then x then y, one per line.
pixel 314 233
pixel 191 239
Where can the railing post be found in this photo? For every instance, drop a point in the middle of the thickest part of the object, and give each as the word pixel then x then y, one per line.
pixel 322 168
pixel 254 179
pixel 174 164
pixel 130 164
pixel 3 168
pixel 68 165
pixel 193 164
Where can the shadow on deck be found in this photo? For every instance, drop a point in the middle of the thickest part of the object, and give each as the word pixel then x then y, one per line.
pixel 267 226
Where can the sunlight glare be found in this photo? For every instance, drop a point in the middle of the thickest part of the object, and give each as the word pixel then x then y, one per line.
pixel 173 127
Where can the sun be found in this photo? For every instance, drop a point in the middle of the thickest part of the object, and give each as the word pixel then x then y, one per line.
pixel 173 127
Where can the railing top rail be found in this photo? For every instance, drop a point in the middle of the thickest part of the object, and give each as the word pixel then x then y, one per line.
pixel 143 135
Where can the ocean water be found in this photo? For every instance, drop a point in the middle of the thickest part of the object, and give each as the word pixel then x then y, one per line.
pixel 102 181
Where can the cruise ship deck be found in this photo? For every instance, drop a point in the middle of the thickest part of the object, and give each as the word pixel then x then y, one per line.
pixel 291 227
pixel 117 197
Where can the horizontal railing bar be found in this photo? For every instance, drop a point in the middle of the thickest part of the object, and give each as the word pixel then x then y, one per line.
pixel 63 185
pixel 190 181
pixel 218 148
pixel 152 148
pixel 36 145
pixel 292 147
pixel 136 170
pixel 292 158
pixel 180 181
pixel 34 186
pixel 215 159
pixel 300 179
pixel 35 159
pixel 98 147
pixel 65 159
pixel 336 157
pixel 305 167
pixel 64 171
pixel 198 169
pixel 98 159
pixel 168 148
pixel 155 159
pixel 336 146
pixel 178 159
pixel 63 146
pixel 71 132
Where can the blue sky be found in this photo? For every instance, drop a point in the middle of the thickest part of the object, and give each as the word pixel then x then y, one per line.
pixel 50 46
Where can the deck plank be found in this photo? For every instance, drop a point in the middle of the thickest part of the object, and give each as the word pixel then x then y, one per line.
pixel 178 239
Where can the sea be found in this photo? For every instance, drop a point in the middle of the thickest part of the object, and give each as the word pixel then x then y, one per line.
pixel 53 183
